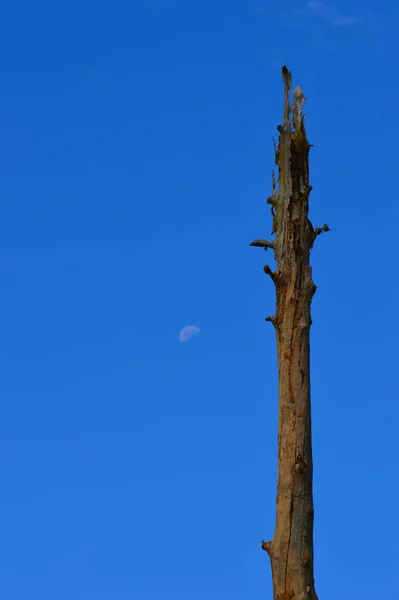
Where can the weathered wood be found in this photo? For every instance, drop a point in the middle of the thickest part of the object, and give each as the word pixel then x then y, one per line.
pixel 291 549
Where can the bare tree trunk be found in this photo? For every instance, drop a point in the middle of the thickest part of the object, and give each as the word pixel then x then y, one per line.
pixel 291 549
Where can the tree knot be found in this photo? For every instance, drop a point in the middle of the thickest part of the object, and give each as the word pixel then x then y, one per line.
pixel 301 465
pixel 267 547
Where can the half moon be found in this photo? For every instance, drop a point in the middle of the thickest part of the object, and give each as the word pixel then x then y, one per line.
pixel 188 333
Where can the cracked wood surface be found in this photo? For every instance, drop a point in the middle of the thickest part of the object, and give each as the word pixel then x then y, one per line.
pixel 291 549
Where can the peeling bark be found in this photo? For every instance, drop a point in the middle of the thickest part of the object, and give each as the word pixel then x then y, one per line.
pixel 291 549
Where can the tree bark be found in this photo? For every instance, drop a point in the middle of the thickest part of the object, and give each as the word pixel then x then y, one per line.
pixel 291 549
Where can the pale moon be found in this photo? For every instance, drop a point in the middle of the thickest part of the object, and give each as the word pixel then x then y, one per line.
pixel 188 333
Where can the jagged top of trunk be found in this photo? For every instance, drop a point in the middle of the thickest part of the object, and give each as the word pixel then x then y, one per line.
pixel 290 192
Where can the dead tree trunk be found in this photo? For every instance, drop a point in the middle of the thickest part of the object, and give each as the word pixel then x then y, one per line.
pixel 291 549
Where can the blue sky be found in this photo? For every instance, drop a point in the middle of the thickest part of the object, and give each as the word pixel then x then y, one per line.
pixel 135 163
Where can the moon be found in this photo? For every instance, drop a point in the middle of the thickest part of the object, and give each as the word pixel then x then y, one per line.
pixel 188 333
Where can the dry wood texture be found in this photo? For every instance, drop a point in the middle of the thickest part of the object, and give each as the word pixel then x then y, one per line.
pixel 291 549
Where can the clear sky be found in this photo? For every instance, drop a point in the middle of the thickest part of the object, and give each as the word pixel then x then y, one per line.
pixel 136 152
